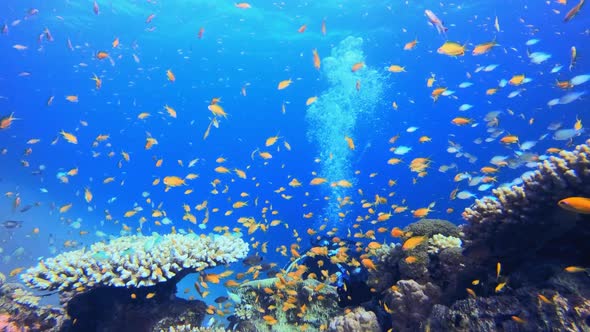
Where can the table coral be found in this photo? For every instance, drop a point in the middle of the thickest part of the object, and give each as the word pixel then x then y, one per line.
pixel 134 261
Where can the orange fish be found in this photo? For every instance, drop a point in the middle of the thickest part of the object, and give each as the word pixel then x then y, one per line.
pixel 6 121
pixel 170 76
pixel 576 204
pixel 102 55
pixel 357 66
pixel 509 139
pixel 461 121
pixel 316 59
pixel 69 137
pixel 410 45
pixel 243 5
pixel 483 48
pixel 397 232
pixel 72 98
pixel 283 84
pixel 574 11
pixel 98 82
pixel 413 242
pixel 302 28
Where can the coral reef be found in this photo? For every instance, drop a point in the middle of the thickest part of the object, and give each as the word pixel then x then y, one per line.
pixel 409 282
pixel 497 223
pixel 510 274
pixel 410 304
pixel 129 284
pixel 517 245
pixel 421 263
pixel 429 227
pixel 21 310
pixel 522 311
pixel 116 309
pixel 285 304
pixel 357 319
pixel 134 261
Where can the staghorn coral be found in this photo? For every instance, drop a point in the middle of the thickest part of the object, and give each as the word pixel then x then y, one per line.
pixel 356 320
pixel 134 261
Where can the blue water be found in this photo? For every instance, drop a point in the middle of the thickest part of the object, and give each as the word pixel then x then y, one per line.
pixel 256 48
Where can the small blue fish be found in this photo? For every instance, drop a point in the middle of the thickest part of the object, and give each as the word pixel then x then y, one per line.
pixel 514 93
pixel 532 42
pixel 539 57
pixel 401 150
pixel 556 69
pixel 571 97
pixel 465 107
pixel 485 186
pixel 465 85
pixel 489 68
pixel 580 79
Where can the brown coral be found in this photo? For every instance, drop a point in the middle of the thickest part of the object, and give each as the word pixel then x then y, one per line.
pixel 356 320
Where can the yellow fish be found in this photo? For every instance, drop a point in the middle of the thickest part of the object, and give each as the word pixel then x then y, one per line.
pixel 516 80
pixel 69 137
pixel 65 208
pixel 451 49
pixel 350 142
pixel 283 84
pixel 396 69
pixel 171 111
pixel 173 181
pixel 217 110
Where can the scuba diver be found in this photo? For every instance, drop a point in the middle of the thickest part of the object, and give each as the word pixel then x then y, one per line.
pixel 352 281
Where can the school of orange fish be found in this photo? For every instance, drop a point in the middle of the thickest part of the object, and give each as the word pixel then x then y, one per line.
pixel 374 213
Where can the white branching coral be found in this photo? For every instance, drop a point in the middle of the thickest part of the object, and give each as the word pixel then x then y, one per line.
pixel 134 261
pixel 439 242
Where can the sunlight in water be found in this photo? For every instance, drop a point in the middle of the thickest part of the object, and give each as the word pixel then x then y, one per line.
pixel 351 96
